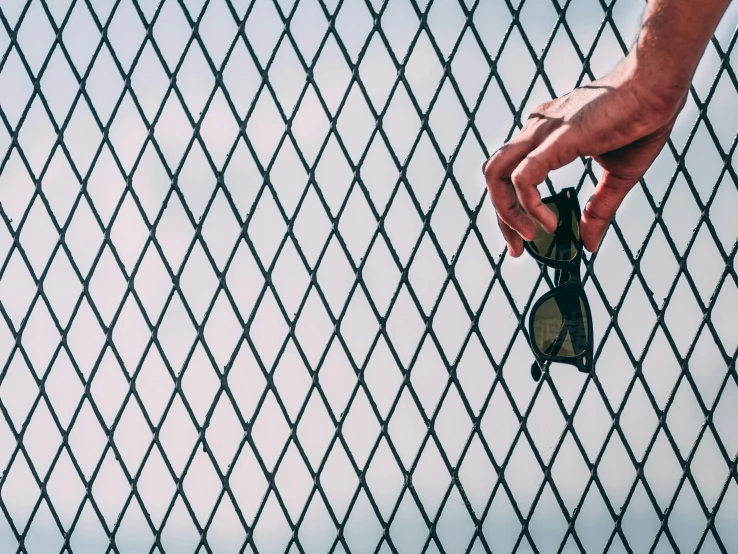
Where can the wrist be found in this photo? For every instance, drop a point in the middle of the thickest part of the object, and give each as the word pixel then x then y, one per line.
pixel 661 88
pixel 671 42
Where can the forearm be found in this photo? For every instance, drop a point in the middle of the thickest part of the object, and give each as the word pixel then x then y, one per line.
pixel 671 43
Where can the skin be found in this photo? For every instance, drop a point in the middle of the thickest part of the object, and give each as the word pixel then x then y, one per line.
pixel 622 121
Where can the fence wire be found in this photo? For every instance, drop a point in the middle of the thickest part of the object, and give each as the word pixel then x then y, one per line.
pixel 253 298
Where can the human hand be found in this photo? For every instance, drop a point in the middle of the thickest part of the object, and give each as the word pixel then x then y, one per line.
pixel 616 120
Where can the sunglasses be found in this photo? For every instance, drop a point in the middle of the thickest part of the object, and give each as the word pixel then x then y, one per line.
pixel 560 322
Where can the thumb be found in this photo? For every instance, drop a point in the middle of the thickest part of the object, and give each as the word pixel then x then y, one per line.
pixel 601 208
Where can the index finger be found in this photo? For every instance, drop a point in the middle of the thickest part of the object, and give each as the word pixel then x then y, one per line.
pixel 497 173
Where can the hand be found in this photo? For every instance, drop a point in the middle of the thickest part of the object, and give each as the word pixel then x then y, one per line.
pixel 618 122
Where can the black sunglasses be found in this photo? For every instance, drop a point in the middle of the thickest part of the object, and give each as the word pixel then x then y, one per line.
pixel 560 322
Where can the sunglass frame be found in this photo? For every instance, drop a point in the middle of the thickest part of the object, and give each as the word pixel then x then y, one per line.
pixel 584 362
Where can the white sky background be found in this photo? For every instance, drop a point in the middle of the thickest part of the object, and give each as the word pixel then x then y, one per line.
pixel 114 212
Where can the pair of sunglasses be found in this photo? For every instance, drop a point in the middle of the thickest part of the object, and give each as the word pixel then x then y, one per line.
pixel 560 322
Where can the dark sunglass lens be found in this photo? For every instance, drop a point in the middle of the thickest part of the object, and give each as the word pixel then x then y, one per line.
pixel 563 243
pixel 560 325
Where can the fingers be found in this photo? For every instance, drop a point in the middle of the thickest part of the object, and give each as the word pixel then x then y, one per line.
pixel 601 208
pixel 497 173
pixel 554 152
pixel 514 172
pixel 514 242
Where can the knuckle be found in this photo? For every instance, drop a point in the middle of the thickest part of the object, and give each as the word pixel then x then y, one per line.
pixel 596 213
pixel 530 173
pixel 507 211
pixel 563 149
pixel 537 162
pixel 540 109
pixel 490 166
pixel 532 121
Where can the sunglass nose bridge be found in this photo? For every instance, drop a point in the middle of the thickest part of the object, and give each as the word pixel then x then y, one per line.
pixel 561 276
pixel 560 333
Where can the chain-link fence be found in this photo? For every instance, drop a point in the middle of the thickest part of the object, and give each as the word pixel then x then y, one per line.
pixel 254 300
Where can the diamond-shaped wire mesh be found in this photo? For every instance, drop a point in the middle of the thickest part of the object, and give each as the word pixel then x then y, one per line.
pixel 253 298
